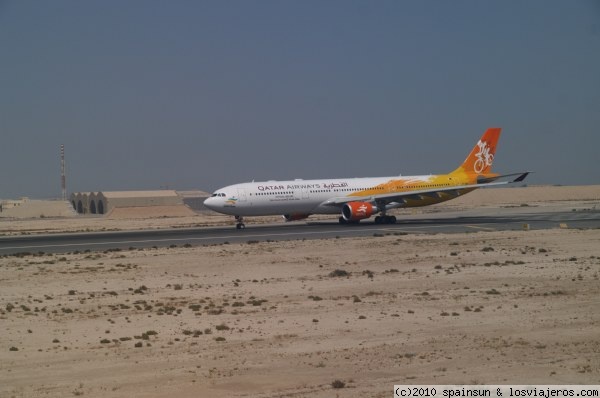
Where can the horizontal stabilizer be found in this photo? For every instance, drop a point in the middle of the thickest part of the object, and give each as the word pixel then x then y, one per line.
pixel 520 177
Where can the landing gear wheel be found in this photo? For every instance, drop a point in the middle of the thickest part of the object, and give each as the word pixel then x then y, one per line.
pixel 240 222
pixel 385 219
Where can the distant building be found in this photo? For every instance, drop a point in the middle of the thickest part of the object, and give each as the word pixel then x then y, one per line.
pixel 104 202
pixel 32 208
pixel 11 204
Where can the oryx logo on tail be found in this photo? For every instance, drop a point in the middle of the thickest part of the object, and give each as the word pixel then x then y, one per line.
pixel 481 156
pixel 484 157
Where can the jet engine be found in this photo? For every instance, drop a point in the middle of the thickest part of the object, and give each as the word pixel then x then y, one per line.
pixel 355 211
pixel 295 217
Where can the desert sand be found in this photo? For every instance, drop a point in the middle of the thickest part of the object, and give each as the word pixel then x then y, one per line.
pixel 288 319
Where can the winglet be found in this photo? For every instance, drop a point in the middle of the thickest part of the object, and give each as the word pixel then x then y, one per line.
pixel 481 157
pixel 521 177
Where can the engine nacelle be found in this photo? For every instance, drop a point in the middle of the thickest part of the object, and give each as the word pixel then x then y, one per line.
pixel 354 211
pixel 295 217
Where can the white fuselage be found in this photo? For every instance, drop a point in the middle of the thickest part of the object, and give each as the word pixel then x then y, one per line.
pixel 296 197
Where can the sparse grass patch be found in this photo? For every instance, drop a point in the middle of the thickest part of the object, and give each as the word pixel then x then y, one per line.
pixel 338 273
pixel 285 336
pixel 338 384
pixel 140 290
pixel 222 327
pixel 256 302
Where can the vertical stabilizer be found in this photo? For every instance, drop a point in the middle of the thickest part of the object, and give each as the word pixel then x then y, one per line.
pixel 481 157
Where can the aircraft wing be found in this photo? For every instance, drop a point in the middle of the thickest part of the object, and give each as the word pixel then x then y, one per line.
pixel 401 197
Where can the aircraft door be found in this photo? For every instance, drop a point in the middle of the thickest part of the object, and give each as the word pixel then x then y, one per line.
pixel 242 195
pixel 305 192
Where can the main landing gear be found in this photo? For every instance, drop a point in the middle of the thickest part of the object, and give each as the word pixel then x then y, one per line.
pixel 240 222
pixel 385 219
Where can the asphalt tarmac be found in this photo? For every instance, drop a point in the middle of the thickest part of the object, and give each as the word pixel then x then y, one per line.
pixel 487 219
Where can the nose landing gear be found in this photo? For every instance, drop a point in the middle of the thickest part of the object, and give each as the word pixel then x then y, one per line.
pixel 240 222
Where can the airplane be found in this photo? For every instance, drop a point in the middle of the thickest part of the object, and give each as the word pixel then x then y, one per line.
pixel 356 199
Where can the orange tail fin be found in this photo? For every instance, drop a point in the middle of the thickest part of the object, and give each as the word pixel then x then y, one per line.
pixel 481 157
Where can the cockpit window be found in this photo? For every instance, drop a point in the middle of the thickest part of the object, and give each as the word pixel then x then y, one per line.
pixel 219 194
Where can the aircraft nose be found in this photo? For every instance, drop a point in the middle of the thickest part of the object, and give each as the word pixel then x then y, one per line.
pixel 210 203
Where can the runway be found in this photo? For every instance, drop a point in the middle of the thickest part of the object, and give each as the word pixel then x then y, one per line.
pixel 498 219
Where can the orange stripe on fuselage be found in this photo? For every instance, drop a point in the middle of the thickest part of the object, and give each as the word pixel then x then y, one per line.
pixel 419 184
pixel 478 164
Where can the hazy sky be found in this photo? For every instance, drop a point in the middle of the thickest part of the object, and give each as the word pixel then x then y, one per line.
pixel 202 94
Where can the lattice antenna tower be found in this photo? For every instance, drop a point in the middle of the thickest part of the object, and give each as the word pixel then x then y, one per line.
pixel 63 179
